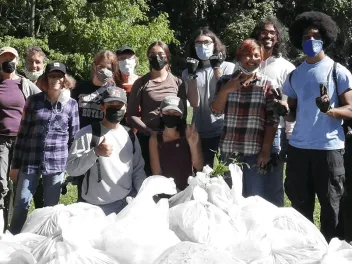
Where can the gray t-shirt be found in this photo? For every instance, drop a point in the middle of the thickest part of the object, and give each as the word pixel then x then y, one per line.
pixel 207 124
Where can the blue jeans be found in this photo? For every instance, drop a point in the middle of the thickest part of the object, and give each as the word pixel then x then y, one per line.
pixel 26 187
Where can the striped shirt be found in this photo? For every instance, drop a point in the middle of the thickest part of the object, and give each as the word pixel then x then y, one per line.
pixel 45 135
pixel 246 114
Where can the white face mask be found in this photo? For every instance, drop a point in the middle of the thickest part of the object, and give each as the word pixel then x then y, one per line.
pixel 248 72
pixel 33 76
pixel 205 51
pixel 127 66
pixel 64 96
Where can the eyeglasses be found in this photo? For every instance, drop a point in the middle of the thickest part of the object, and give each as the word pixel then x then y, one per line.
pixel 267 32
pixel 206 43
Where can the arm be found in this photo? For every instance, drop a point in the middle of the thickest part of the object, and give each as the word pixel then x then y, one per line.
pixel 73 124
pixel 292 104
pixel 193 93
pixel 81 158
pixel 22 134
pixel 217 73
pixel 183 95
pixel 197 156
pixel 222 92
pixel 138 174
pixel 344 111
pixel 135 98
pixel 154 155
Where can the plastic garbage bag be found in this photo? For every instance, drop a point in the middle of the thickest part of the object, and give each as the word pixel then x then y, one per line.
pixel 48 220
pixel 7 248
pixel 292 220
pixel 64 253
pixel 141 231
pixel 193 253
pixel 28 240
pixel 202 222
pixel 237 183
pixel 47 246
pixel 338 252
pixel 19 257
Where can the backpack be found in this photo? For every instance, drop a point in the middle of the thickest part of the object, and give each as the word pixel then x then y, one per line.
pixel 96 134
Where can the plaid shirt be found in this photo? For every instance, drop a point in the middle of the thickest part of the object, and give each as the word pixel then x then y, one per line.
pixel 247 112
pixel 45 135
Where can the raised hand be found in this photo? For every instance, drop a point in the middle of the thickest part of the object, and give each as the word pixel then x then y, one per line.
pixel 323 102
pixel 192 135
pixel 216 59
pixel 192 65
pixel 281 107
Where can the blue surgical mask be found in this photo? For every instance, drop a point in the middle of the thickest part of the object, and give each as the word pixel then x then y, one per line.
pixel 312 47
pixel 205 51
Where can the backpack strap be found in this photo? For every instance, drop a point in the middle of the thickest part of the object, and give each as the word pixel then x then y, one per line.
pixel 132 137
pixel 96 133
pixel 334 78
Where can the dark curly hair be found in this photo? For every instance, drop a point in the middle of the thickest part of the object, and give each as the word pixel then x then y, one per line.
pixel 218 46
pixel 279 47
pixel 324 23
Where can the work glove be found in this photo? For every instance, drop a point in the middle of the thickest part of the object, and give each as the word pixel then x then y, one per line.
pixel 280 106
pixel 323 102
pixel 192 65
pixel 216 59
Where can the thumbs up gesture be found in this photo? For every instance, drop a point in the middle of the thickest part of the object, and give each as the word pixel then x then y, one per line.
pixel 104 149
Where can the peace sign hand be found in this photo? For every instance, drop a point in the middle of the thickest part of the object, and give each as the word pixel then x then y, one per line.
pixel 192 135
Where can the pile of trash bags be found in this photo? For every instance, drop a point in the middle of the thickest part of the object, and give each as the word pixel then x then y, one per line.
pixel 207 223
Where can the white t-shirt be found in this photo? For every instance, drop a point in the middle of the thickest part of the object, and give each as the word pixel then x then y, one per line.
pixel 277 68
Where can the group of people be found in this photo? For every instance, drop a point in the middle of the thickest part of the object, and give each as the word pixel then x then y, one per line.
pixel 112 131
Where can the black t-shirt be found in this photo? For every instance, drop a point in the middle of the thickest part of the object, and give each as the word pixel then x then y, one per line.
pixel 88 97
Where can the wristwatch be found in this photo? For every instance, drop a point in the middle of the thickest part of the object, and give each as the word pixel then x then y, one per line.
pixel 192 76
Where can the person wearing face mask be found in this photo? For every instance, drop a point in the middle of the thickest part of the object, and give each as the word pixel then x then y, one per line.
pixel 34 68
pixel 148 92
pixel 246 99
pixel 205 66
pixel 320 97
pixel 34 63
pixel 49 124
pixel 175 151
pixel 14 91
pixel 127 62
pixel 118 157
pixel 88 95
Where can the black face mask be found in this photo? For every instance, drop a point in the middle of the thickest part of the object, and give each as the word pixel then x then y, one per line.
pixel 114 115
pixel 171 121
pixel 157 62
pixel 8 66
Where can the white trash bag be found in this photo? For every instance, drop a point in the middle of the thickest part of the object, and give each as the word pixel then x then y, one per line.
pixel 202 222
pixel 48 220
pixel 193 253
pixel 338 252
pixel 141 231
pixel 2 223
pixel 7 248
pixel 64 253
pixel 20 256
pixel 28 240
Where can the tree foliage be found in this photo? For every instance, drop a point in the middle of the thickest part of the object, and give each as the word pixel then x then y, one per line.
pixel 74 30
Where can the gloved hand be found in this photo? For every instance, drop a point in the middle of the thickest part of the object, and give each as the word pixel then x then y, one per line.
pixel 281 107
pixel 323 102
pixel 216 59
pixel 192 65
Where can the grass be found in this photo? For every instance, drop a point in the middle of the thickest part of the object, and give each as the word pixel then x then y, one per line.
pixel 71 195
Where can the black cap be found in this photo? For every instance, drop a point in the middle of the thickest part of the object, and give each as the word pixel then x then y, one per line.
pixel 55 66
pixel 124 48
pixel 114 93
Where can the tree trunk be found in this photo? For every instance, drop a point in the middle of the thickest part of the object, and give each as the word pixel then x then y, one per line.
pixel 32 18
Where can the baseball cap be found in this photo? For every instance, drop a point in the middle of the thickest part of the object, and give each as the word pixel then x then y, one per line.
pixel 172 103
pixel 55 66
pixel 114 93
pixel 123 49
pixel 10 50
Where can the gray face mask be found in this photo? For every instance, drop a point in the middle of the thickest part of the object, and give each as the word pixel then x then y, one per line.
pixel 104 75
